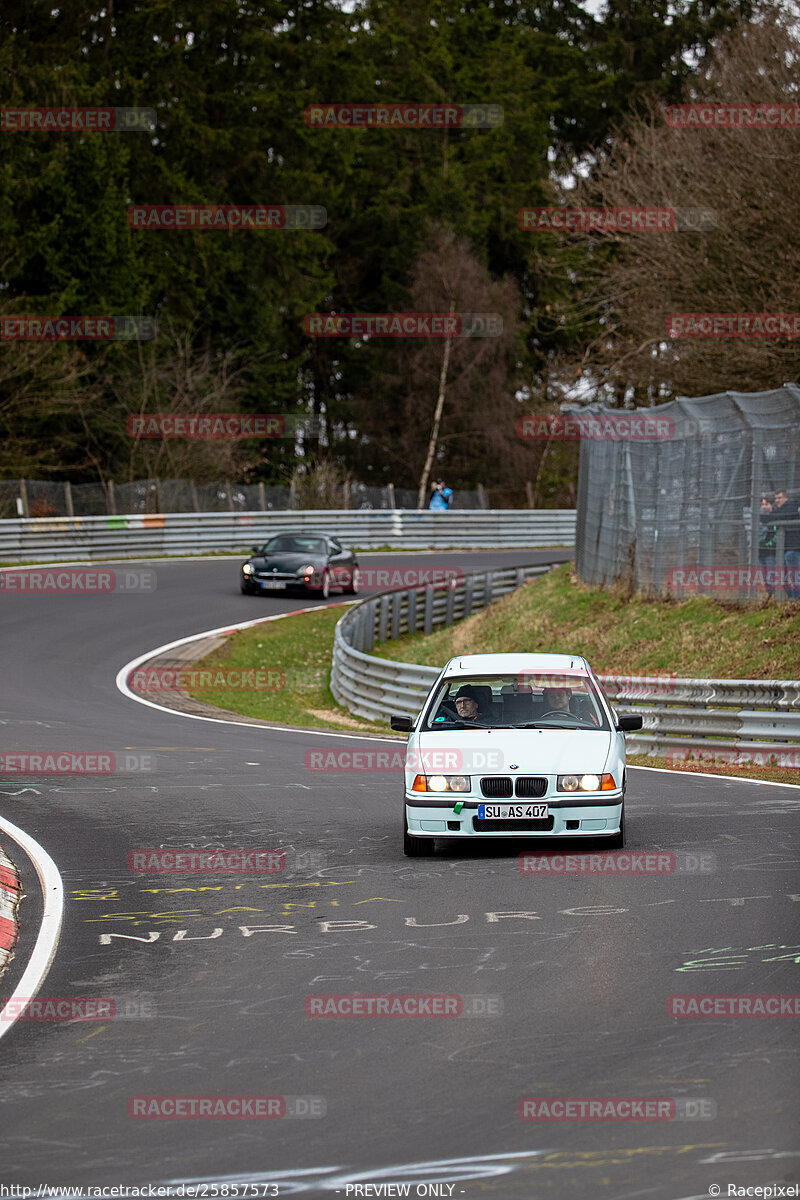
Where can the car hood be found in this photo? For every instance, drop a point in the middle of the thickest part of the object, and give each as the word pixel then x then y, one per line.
pixel 286 562
pixel 535 751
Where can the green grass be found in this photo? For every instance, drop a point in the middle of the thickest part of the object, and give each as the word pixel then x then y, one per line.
pixel 300 647
pixel 558 614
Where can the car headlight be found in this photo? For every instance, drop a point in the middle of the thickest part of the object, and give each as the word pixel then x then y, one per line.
pixel 305 570
pixel 441 783
pixel 585 783
pixel 248 569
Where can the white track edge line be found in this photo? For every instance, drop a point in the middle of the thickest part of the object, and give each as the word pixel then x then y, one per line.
pixel 710 775
pixel 124 672
pixel 50 929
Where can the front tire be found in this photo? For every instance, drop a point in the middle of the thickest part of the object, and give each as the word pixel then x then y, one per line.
pixel 354 586
pixel 416 847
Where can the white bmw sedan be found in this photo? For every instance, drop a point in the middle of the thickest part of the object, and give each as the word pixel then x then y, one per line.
pixel 514 745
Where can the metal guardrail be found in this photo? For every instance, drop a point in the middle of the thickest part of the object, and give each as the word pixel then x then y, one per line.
pixel 741 716
pixel 50 539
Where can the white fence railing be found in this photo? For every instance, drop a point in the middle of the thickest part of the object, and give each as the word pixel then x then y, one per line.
pixel 743 717
pixel 50 539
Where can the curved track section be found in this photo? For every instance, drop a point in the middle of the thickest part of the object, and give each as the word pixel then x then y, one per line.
pixel 566 978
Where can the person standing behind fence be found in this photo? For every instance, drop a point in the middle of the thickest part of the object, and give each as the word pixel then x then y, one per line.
pixel 788 510
pixel 766 543
pixel 442 496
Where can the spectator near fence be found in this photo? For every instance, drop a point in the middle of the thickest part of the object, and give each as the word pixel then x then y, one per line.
pixel 766 542
pixel 789 511
pixel 442 497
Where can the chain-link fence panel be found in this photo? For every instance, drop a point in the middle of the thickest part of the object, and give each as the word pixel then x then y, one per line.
pixel 42 498
pixel 88 500
pixel 693 509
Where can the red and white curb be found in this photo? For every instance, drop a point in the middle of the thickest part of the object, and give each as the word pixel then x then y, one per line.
pixel 44 950
pixel 10 892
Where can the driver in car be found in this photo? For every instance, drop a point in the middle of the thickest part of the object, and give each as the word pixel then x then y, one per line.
pixel 557 700
pixel 467 704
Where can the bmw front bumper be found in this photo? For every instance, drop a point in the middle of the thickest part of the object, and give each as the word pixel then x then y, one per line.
pixel 594 816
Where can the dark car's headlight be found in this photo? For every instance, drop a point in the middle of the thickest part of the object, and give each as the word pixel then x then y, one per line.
pixel 306 570
pixel 248 569
pixel 585 783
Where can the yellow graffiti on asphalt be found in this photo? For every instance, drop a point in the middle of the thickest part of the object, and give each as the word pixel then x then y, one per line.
pixel 730 958
pixel 601 1158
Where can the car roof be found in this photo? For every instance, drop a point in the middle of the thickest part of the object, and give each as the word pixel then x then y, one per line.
pixel 501 664
pixel 299 533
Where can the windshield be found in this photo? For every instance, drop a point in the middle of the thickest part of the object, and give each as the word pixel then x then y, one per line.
pixel 525 700
pixel 285 543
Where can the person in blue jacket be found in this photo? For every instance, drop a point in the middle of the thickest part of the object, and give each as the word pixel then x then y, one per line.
pixel 442 496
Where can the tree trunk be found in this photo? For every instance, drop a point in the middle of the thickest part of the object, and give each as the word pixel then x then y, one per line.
pixel 437 417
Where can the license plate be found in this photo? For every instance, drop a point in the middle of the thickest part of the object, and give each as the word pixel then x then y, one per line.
pixel 273 585
pixel 512 812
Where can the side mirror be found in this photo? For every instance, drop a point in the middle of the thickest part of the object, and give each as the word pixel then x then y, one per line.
pixel 256 549
pixel 402 724
pixel 626 724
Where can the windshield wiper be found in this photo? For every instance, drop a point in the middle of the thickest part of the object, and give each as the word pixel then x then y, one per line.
pixel 546 725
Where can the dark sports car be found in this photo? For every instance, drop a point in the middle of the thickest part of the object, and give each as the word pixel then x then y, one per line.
pixel 311 562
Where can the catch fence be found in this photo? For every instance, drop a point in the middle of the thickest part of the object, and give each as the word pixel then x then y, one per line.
pixel 682 515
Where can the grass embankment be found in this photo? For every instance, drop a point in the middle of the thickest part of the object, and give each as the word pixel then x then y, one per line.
pixel 697 638
pixel 300 648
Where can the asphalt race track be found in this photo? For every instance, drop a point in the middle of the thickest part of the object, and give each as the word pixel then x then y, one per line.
pixel 572 973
